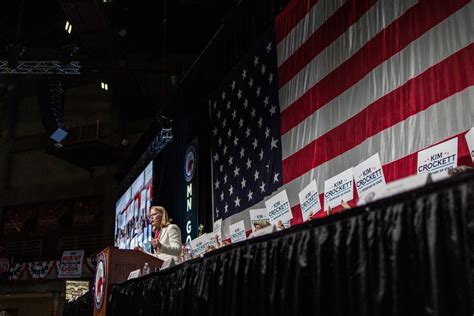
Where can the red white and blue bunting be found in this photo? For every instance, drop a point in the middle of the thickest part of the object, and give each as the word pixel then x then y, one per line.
pixel 45 269
pixel 40 270
pixel 17 270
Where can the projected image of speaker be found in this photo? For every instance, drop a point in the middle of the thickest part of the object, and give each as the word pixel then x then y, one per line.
pixel 51 104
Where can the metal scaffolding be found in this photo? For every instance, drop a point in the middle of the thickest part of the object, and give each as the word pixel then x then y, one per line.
pixel 41 68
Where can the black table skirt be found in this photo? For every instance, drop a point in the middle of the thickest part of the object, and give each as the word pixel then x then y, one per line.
pixel 407 255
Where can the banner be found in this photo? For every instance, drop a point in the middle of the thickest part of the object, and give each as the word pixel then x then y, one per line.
pixel 278 208
pixel 309 200
pixel 338 188
pixel 438 159
pixel 368 175
pixel 71 264
pixel 190 166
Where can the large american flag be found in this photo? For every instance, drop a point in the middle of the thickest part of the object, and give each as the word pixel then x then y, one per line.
pixel 353 78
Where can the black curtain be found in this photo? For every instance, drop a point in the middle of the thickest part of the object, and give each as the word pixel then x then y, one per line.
pixel 83 305
pixel 408 255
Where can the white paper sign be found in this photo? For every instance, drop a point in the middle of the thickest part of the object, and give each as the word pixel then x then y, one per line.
pixel 278 208
pixel 199 245
pixel 135 274
pixel 168 263
pixel 371 195
pixel 395 187
pixel 237 232
pixel 309 200
pixel 71 264
pixel 339 188
pixel 264 231
pixel 217 229
pixel 438 159
pixel 470 142
pixel 259 218
pixel 368 175
pixel 407 184
pixel 212 240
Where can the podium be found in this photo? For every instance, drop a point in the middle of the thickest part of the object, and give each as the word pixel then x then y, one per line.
pixel 113 266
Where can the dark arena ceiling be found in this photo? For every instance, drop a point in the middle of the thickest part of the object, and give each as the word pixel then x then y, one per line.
pixel 113 38
pixel 141 48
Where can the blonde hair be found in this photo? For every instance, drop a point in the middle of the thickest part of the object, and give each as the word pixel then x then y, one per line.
pixel 165 219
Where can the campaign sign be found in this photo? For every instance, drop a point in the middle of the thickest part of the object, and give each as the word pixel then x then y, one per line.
pixel 407 184
pixel 199 245
pixel 134 274
pixel 237 232
pixel 278 208
pixel 217 229
pixel 213 242
pixel 168 263
pixel 259 218
pixel 396 187
pixel 368 175
pixel 339 188
pixel 470 142
pixel 438 159
pixel 264 231
pixel 309 200
pixel 371 195
pixel 71 264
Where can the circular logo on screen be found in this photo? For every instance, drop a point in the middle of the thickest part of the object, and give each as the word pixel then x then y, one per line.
pixel 100 282
pixel 190 161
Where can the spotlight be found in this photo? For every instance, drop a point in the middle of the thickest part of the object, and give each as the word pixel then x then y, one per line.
pixel 68 27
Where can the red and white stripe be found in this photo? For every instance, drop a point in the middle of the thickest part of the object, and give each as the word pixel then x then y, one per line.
pixel 359 77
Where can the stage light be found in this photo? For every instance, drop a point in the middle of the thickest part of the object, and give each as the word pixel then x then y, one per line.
pixel 104 86
pixel 68 27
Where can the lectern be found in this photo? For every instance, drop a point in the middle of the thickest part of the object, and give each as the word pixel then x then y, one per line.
pixel 113 266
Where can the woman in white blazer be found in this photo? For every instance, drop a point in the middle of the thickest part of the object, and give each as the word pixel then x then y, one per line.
pixel 166 240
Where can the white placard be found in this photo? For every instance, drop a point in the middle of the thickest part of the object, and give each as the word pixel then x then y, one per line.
pixel 237 232
pixel 438 159
pixel 407 184
pixel 199 245
pixel 212 240
pixel 278 208
pixel 264 231
pixel 470 142
pixel 217 229
pixel 259 218
pixel 371 195
pixel 338 188
pixel 168 263
pixel 309 200
pixel 368 175
pixel 135 274
pixel 395 187
pixel 71 264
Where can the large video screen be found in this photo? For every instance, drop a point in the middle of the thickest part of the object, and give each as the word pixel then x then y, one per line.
pixel 132 224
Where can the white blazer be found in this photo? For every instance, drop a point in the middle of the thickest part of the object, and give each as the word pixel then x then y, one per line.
pixel 170 240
